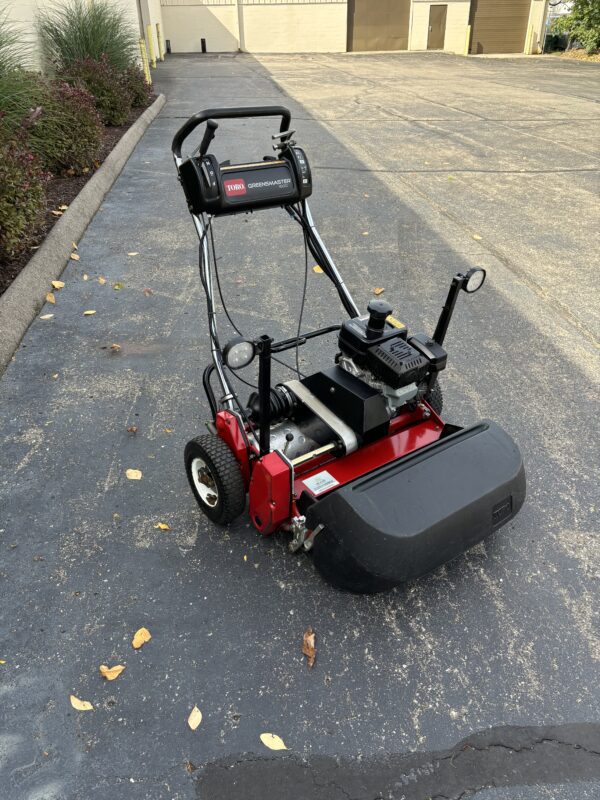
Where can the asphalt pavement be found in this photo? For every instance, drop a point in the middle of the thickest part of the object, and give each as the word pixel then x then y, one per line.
pixel 480 679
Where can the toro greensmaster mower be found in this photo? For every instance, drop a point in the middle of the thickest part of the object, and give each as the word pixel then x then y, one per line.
pixel 355 460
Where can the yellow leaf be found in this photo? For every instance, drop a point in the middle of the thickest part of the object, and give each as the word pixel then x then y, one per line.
pixel 477 237
pixel 272 741
pixel 90 312
pixel 168 430
pixel 163 526
pixel 101 281
pixel 317 269
pixel 133 254
pixel 140 637
pixel 134 474
pixel 378 291
pixel 63 207
pixel 80 705
pixel 50 298
pixel 56 213
pixel 2 661
pixel 74 246
pixel 75 257
pixel 365 233
pixel 110 673
pixel 58 284
pixel 118 286
pixel 451 178
pixel 115 347
pixel 55 376
pixel 85 276
pixel 46 316
pixel 195 718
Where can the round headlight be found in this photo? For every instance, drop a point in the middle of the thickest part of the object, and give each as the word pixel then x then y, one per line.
pixel 474 280
pixel 238 352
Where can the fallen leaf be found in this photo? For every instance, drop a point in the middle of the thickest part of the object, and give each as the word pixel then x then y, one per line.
pixel 148 292
pixel 134 474
pixel 50 298
pixel 317 269
pixel 75 257
pixel 85 276
pixel 451 178
pixel 163 526
pixel 272 741
pixel 74 246
pixel 378 291
pixel 118 286
pixel 245 558
pixel 133 254
pixel 80 705
pixel 2 661
pixel 477 237
pixel 46 316
pixel 85 170
pixel 111 673
pixel 56 213
pixel 115 347
pixel 132 429
pixel 308 647
pixel 140 637
pixel 365 233
pixel 58 284
pixel 190 767
pixel 55 376
pixel 88 313
pixel 168 430
pixel 366 195
pixel 195 718
pixel 63 207
pixel 101 280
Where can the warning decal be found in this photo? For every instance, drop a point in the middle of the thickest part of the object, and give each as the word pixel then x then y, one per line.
pixel 320 482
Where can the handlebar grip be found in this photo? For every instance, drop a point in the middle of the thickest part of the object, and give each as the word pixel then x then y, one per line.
pixel 228 113
pixel 209 135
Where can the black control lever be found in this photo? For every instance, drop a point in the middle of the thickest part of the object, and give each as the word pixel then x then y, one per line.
pixel 209 135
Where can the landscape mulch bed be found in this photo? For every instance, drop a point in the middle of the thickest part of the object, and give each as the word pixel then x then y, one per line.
pixel 61 191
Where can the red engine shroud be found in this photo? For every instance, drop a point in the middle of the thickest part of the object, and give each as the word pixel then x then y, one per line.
pixel 269 479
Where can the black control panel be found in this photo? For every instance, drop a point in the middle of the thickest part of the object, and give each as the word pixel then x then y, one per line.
pixel 232 188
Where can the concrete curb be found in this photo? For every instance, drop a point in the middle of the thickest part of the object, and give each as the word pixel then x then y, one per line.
pixel 23 299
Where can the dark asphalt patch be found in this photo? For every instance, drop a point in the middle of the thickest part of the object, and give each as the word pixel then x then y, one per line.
pixel 506 756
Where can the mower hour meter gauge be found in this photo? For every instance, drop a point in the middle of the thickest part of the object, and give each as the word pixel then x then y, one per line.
pixel 238 352
pixel 474 280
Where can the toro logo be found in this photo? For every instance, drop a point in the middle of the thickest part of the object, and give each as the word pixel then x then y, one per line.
pixel 234 186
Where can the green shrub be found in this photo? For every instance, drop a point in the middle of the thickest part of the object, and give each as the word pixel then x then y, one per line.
pixel 140 91
pixel 22 196
pixel 13 50
pixel 63 126
pixel 107 86
pixel 78 29
pixel 582 25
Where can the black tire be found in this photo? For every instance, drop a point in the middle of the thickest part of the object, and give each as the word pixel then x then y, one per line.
pixel 220 473
pixel 335 564
pixel 435 398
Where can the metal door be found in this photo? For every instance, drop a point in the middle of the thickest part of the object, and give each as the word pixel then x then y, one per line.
pixel 437 27
pixel 378 24
pixel 498 26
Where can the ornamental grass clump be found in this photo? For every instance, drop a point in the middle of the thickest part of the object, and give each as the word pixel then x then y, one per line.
pixel 14 52
pixel 76 30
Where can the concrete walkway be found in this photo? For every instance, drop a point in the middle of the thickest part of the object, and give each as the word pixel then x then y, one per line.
pixel 489 665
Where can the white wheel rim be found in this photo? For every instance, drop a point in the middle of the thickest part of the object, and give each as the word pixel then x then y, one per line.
pixel 204 481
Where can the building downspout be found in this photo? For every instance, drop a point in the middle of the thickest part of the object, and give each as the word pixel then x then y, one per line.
pixel 242 37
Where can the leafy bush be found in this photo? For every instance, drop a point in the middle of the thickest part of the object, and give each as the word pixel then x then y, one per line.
pixel 77 30
pixel 140 91
pixel 13 50
pixel 22 196
pixel 63 126
pixel 105 84
pixel 581 25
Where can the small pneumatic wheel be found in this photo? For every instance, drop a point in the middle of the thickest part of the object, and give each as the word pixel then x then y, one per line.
pixel 215 478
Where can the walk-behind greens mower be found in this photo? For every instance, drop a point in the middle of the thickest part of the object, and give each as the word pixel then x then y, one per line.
pixel 355 460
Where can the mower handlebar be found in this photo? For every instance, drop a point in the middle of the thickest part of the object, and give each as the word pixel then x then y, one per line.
pixel 228 113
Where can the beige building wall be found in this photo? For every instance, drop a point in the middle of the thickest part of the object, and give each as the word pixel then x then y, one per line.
pixel 457 20
pixel 295 27
pixel 187 22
